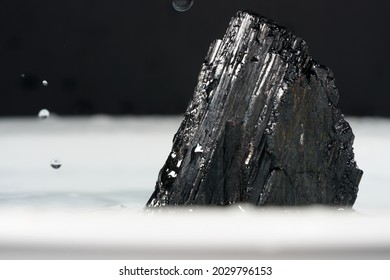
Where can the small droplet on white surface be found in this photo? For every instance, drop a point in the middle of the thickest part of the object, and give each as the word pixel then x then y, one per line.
pixel 55 163
pixel 43 114
pixel 340 209
pixel 45 83
pixel 242 210
pixel 182 5
pixel 198 149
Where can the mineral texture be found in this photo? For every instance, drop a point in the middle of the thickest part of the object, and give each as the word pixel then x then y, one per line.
pixel 262 127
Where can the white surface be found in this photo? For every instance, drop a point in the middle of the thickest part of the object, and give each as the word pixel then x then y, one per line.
pixel 92 207
pixel 104 160
pixel 372 153
pixel 209 234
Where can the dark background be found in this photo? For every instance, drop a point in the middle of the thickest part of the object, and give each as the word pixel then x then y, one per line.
pixel 143 57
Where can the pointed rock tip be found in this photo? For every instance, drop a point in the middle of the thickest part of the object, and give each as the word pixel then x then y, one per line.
pixel 261 18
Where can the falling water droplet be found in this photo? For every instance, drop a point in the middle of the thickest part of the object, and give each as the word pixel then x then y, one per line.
pixel 43 114
pixel 55 163
pixel 45 83
pixel 182 5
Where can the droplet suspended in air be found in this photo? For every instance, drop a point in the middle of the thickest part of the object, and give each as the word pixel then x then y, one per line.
pixel 182 5
pixel 43 114
pixel 45 83
pixel 55 163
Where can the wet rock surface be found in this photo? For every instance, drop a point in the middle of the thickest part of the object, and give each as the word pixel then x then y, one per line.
pixel 262 127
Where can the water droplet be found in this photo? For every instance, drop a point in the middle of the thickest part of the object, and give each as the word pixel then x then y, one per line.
pixel 55 163
pixel 43 114
pixel 182 5
pixel 45 83
pixel 23 75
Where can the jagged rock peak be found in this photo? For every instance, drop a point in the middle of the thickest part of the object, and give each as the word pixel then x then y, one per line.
pixel 262 127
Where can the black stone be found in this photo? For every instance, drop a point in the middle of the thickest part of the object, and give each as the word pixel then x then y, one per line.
pixel 262 127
